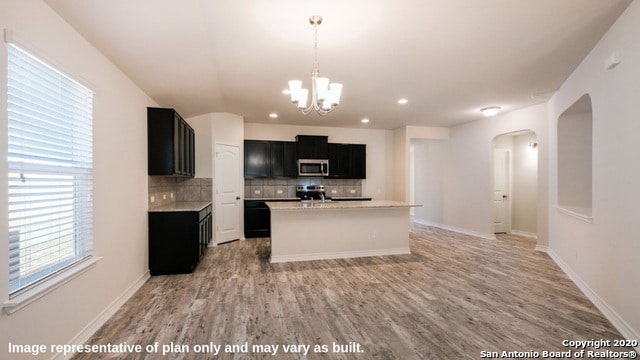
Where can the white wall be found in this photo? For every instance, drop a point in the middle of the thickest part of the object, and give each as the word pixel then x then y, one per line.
pixel 379 182
pixel 603 257
pixel 70 312
pixel 468 177
pixel 430 161
pixel 224 128
pixel 524 197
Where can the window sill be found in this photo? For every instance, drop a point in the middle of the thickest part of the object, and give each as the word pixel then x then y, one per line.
pixel 23 299
pixel 577 214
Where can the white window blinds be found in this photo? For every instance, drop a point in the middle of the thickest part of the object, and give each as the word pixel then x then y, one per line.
pixel 50 158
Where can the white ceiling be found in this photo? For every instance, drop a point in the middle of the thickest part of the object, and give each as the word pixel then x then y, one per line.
pixel 448 58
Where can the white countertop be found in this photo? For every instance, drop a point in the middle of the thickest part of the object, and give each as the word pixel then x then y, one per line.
pixel 182 206
pixel 278 206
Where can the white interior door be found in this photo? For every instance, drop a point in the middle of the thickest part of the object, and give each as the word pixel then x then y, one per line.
pixel 500 190
pixel 227 193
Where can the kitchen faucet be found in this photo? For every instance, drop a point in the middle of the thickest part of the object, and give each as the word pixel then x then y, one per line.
pixel 322 196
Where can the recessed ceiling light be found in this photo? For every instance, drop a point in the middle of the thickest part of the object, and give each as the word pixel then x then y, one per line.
pixel 364 121
pixel 490 111
pixel 273 115
pixel 402 101
pixel 286 92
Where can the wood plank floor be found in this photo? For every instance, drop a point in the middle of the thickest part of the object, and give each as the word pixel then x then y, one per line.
pixel 452 298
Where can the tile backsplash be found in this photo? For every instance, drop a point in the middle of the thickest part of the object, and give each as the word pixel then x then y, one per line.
pixel 286 188
pixel 166 190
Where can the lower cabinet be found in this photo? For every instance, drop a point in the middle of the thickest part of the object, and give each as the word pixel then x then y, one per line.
pixel 178 240
pixel 257 219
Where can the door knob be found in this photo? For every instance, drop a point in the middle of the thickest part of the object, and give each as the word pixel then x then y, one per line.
pixel 237 197
pixel 504 196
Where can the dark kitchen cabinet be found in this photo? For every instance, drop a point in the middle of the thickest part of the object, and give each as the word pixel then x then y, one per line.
pixel 282 156
pixel 358 161
pixel 256 159
pixel 257 219
pixel 269 159
pixel 170 143
pixel 339 160
pixel 347 161
pixel 312 147
pixel 178 240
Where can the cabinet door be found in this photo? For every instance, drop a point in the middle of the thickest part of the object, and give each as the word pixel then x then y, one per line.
pixel 312 147
pixel 257 219
pixel 276 159
pixel 290 160
pixel 256 159
pixel 358 161
pixel 339 160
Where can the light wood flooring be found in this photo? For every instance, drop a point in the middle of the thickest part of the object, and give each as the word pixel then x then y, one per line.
pixel 453 297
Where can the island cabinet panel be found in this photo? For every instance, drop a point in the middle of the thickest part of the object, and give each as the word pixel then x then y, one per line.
pixel 269 159
pixel 312 147
pixel 178 240
pixel 347 161
pixel 170 143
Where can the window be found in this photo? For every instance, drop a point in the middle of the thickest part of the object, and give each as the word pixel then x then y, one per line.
pixel 50 164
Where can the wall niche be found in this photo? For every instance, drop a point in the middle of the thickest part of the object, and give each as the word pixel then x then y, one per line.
pixel 575 151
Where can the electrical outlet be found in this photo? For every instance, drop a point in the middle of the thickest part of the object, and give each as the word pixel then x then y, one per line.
pixel 171 195
pixel 279 192
pixel 334 191
pixel 353 191
pixel 153 199
pixel 256 192
pixel 164 196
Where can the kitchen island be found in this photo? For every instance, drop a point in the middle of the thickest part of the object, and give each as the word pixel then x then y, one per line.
pixel 302 231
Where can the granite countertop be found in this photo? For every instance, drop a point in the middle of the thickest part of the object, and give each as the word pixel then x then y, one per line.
pixel 277 206
pixel 182 206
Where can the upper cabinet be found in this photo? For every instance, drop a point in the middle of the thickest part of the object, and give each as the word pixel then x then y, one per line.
pixel 269 159
pixel 347 161
pixel 312 147
pixel 170 143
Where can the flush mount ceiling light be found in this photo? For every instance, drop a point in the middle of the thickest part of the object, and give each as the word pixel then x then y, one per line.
pixel 324 96
pixel 490 111
pixel 402 101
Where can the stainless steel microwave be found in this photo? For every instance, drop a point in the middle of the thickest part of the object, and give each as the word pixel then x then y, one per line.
pixel 313 167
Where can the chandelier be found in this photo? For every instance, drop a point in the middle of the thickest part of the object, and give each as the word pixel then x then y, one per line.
pixel 324 96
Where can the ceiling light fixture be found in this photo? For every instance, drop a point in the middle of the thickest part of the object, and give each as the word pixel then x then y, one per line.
pixel 324 96
pixel 364 121
pixel 273 115
pixel 490 111
pixel 402 101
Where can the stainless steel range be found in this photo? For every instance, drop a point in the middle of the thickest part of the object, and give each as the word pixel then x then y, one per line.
pixel 311 192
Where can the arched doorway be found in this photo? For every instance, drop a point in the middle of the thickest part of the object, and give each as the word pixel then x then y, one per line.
pixel 515 183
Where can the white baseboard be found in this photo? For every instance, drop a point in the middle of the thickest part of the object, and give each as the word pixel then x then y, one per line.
pixel 339 255
pixel 456 229
pixel 524 233
pixel 86 333
pixel 618 322
pixel 542 248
